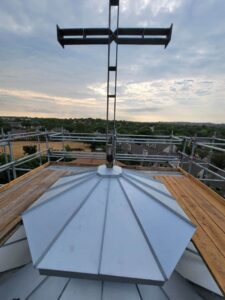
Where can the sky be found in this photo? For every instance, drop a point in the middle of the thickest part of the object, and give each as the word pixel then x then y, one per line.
pixel 184 82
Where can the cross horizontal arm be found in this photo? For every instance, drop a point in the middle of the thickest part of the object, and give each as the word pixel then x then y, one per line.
pixel 125 36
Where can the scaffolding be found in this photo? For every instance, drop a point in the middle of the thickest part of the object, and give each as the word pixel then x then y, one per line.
pixel 204 169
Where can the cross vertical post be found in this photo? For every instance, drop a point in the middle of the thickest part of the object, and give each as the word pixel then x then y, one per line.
pixel 105 36
pixel 111 72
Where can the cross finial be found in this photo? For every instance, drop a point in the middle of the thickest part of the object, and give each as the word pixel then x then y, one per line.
pixel 121 36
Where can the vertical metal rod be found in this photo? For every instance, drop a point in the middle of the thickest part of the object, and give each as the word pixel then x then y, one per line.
pixel 39 149
pixel 115 90
pixel 192 154
pixel 108 79
pixel 46 143
pixel 5 155
pixel 11 156
pixel 184 145
pixel 63 144
pixel 205 173
pixel 171 143
pixel 183 150
pixel 211 150
pixel 112 66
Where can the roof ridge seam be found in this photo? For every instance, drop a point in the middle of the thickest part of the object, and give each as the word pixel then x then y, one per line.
pixel 104 228
pixel 139 292
pixel 54 196
pixel 143 232
pixel 36 287
pixel 79 172
pixel 70 181
pixel 161 203
pixel 151 187
pixel 66 224
pixel 64 288
pixel 142 175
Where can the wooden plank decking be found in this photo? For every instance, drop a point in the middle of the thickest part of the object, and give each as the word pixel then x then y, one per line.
pixel 20 193
pixel 206 209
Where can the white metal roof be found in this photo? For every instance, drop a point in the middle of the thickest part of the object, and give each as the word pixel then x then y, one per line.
pixel 26 283
pixel 108 225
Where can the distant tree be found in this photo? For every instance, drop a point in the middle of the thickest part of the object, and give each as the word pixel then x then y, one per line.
pixel 29 149
pixel 26 123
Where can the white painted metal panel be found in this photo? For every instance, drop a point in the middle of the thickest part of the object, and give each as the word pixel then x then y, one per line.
pixel 139 236
pixel 149 180
pixel 117 290
pixel 49 289
pixel 81 289
pixel 26 283
pixel 150 292
pixel 158 193
pixel 14 255
pixel 78 248
pixel 125 250
pixel 20 284
pixel 44 222
pixel 192 267
pixel 63 185
pixel 167 232
pixel 17 235
pixel 178 288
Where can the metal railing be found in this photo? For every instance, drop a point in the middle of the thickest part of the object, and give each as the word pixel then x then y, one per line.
pixel 210 173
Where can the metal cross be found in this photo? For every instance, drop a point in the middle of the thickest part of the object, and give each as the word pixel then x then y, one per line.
pixel 121 36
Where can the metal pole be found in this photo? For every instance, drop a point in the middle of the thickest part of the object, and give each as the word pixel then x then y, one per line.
pixel 171 143
pixel 211 150
pixel 63 145
pixel 11 156
pixel 39 149
pixel 5 155
pixel 108 78
pixel 205 173
pixel 192 154
pixel 183 151
pixel 47 146
pixel 115 90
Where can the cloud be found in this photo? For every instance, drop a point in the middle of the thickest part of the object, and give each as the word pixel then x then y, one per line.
pixel 30 95
pixel 30 103
pixel 154 6
pixel 183 82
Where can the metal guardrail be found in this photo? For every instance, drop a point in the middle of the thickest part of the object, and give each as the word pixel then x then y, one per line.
pixel 119 156
pixel 180 158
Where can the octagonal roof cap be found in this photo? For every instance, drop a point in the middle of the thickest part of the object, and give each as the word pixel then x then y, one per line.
pixel 108 224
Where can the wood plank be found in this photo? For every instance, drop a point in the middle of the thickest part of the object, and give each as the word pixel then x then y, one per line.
pixel 191 200
pixel 206 202
pixel 204 211
pixel 22 177
pixel 220 203
pixel 21 195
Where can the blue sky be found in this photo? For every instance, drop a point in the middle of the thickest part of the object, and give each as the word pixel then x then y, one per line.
pixel 185 82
